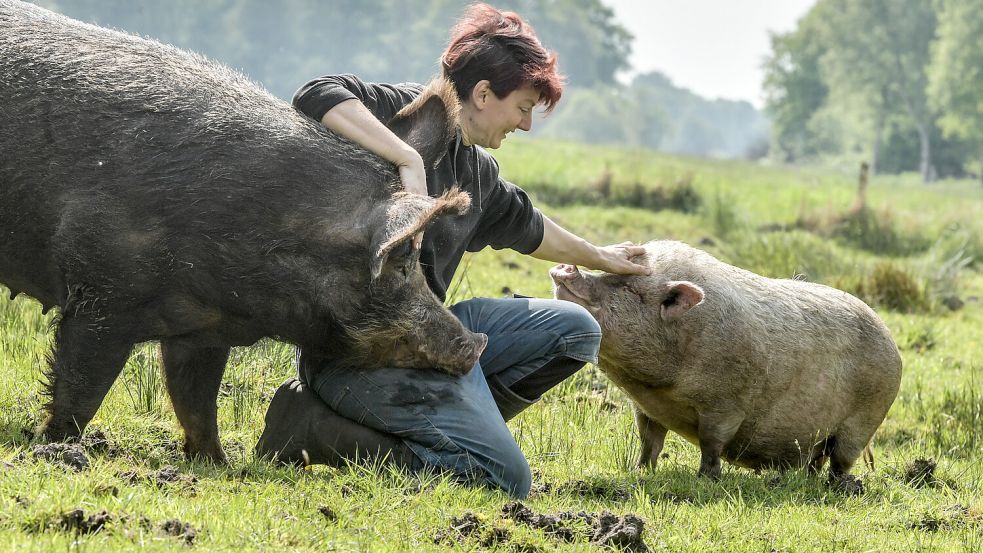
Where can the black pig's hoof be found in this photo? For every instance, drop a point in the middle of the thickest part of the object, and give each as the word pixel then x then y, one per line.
pixel 210 452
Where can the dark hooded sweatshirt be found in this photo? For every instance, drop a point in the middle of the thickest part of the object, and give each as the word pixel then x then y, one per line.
pixel 501 214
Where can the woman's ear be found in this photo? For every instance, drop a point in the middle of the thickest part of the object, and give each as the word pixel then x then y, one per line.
pixel 480 92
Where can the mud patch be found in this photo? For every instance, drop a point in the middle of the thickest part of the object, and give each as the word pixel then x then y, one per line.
pixel 604 529
pixel 76 521
pixel 96 441
pixel 473 527
pixel 161 478
pixel 328 513
pixel 846 484
pixel 66 455
pixel 950 518
pixel 177 529
pixel 921 473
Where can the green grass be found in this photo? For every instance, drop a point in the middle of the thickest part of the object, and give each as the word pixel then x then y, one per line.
pixel 580 439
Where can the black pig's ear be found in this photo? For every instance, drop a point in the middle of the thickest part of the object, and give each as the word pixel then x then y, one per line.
pixel 406 214
pixel 681 297
pixel 428 123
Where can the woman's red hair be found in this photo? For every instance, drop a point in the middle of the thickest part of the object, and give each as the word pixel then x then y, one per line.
pixel 488 44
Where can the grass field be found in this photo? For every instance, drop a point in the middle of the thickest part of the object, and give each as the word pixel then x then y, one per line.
pixel 913 253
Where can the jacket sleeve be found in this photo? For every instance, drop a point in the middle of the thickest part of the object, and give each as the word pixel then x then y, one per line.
pixel 508 219
pixel 318 96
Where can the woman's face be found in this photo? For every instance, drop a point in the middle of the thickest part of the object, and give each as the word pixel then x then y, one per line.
pixel 487 119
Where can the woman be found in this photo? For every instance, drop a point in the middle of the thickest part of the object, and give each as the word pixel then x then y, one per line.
pixel 420 418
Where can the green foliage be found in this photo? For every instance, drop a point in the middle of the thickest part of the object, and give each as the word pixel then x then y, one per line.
pixel 956 72
pixel 794 89
pixel 881 80
pixel 283 44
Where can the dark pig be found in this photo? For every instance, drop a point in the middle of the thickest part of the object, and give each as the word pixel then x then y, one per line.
pixel 764 372
pixel 150 194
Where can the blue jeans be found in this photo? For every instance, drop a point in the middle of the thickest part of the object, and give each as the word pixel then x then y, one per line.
pixel 453 423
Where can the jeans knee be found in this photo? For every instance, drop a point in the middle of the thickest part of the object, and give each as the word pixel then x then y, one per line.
pixel 578 320
pixel 517 478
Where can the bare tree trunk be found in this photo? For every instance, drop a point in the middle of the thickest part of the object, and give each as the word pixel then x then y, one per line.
pixel 875 155
pixel 925 166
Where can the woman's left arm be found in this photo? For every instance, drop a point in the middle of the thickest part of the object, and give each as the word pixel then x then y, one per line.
pixel 562 246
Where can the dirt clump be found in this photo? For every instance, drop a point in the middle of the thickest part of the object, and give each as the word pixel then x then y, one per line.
pixel 551 525
pixel 76 521
pixel 920 473
pixel 624 533
pixel 97 442
pixel 846 484
pixel 161 478
pixel 328 513
pixel 67 455
pixel 177 529
pixel 472 526
pixel 950 518
pixel 603 529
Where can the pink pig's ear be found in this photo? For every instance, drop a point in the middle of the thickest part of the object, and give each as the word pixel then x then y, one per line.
pixel 682 297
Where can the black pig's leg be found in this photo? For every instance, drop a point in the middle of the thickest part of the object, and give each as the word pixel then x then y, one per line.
pixel 87 359
pixel 715 432
pixel 653 436
pixel 193 375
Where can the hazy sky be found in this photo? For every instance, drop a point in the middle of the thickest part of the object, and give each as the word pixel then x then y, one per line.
pixel 712 47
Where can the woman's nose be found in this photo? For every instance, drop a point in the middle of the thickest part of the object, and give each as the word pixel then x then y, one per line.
pixel 526 123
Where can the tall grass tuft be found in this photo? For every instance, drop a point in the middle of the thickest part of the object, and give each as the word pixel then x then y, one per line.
pixel 144 380
pixel 721 214
pixel 894 287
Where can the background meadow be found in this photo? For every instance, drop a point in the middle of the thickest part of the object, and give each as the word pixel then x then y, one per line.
pixel 911 251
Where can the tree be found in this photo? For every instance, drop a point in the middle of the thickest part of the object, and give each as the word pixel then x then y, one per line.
pixel 956 74
pixel 880 48
pixel 794 88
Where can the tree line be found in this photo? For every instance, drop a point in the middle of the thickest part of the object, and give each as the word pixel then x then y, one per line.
pixel 898 82
pixel 284 43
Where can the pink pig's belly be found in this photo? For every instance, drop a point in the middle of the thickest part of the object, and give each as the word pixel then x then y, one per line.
pixel 767 440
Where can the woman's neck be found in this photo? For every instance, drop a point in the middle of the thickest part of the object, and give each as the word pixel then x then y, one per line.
pixel 466 123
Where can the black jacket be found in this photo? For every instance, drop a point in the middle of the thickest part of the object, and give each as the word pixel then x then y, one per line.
pixel 501 215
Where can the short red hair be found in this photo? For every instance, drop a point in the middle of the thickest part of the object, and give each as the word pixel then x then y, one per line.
pixel 488 44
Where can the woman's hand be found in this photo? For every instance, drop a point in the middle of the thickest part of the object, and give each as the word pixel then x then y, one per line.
pixel 616 258
pixel 413 174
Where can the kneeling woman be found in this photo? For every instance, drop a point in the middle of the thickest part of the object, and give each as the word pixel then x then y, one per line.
pixel 425 418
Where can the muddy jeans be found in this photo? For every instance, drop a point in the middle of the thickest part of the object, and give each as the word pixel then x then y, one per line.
pixel 454 423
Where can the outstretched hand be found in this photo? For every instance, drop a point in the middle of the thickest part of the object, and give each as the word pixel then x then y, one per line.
pixel 616 258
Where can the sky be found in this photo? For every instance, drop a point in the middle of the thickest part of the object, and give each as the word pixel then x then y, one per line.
pixel 713 47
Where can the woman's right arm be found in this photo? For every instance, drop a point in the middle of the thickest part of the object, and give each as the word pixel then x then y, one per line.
pixel 328 99
pixel 355 122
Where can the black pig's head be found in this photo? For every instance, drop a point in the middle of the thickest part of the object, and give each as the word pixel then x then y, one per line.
pixel 403 323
